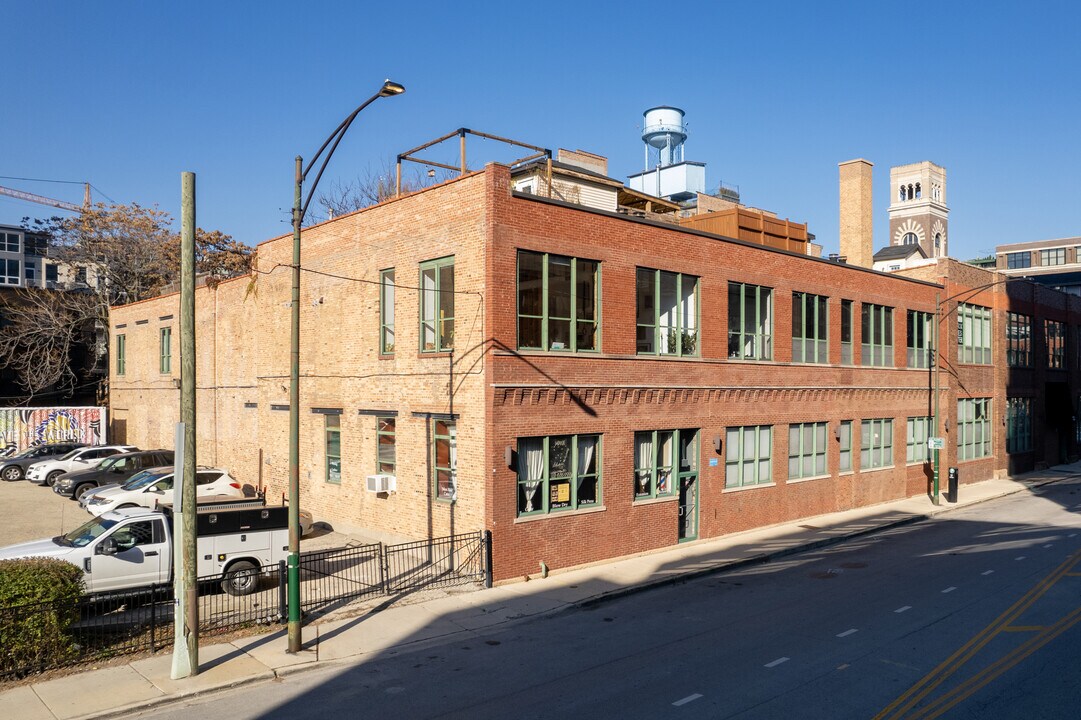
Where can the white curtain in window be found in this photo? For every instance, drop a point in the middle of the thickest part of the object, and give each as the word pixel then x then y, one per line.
pixel 586 445
pixel 643 452
pixel 531 459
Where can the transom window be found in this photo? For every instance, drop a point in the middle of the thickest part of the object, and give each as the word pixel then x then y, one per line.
pixel 877 327
pixel 806 450
pixel 1018 425
pixel 973 334
pixel 876 443
pixel 916 450
pixel 1018 340
pixel 558 473
pixel 1055 339
pixel 810 322
pixel 973 428
pixel 748 456
pixel 437 305
pixel 558 302
pixel 750 321
pixel 667 313
pixel 920 337
pixel 1018 260
pixel 660 456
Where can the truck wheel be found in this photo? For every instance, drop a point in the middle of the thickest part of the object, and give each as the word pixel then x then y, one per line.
pixel 50 479
pixel 12 472
pixel 241 579
pixel 80 491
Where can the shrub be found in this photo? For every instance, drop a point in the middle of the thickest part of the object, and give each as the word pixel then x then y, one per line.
pixel 37 606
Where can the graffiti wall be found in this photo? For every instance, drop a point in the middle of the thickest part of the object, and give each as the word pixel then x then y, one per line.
pixel 22 428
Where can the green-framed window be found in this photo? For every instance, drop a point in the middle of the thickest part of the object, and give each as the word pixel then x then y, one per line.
pixel 1018 340
pixel 558 473
pixel 973 334
pixel 1018 425
pixel 846 332
pixel 437 305
pixel 1054 334
pixel 165 349
pixel 1054 256
pixel 750 321
pixel 973 428
pixel 666 313
pixel 559 302
pixel 844 443
pixel 661 457
pixel 920 336
pixel 121 350
pixel 876 443
pixel 332 427
pixel 876 325
pixel 386 440
pixel 917 432
pixel 445 459
pixel 806 450
pixel 810 328
pixel 748 456
pixel 386 312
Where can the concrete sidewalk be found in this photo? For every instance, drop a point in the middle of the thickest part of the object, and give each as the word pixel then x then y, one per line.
pixel 144 683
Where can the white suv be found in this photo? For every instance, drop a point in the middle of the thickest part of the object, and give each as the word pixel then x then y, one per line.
pixel 47 471
pixel 154 486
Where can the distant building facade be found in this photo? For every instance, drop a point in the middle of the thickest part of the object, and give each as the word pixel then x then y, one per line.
pixel 1055 263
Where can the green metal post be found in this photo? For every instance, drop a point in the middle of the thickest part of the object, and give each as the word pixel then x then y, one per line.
pixel 293 579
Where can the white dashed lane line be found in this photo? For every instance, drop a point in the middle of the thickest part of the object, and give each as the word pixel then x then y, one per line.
pixel 848 632
pixel 950 589
pixel 1048 546
pixel 777 662
pixel 689 698
pixel 1019 557
pixel 987 572
pixel 903 608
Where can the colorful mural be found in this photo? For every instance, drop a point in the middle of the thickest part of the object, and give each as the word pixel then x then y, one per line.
pixel 22 428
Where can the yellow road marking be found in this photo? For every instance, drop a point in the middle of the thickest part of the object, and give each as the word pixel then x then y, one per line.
pixel 1024 628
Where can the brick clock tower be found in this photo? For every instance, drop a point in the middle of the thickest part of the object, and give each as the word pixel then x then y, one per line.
pixel 918 212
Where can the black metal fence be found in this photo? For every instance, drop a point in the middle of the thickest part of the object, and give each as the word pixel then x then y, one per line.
pixel 49 635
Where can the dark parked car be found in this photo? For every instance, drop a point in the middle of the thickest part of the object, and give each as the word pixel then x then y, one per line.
pixel 112 470
pixel 14 467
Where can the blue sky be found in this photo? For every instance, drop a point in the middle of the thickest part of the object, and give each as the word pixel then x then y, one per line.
pixel 127 95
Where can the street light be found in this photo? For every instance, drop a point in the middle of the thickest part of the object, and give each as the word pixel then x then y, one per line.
pixel 299 211
pixel 938 321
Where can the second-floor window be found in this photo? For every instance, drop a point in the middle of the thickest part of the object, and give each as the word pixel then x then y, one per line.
pixel 1018 260
pixel 1018 340
pixel 846 332
pixel 1055 256
pixel 9 271
pixel 165 350
pixel 810 336
pixel 877 328
pixel 750 321
pixel 920 336
pixel 558 302
pixel 667 313
pixel 9 242
pixel 973 334
pixel 52 274
pixel 437 305
pixel 1055 338
pixel 386 312
pixel 121 349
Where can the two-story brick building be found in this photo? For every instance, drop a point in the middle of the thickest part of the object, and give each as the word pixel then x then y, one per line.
pixel 586 384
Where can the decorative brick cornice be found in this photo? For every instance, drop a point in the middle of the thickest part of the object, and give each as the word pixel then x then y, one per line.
pixel 596 396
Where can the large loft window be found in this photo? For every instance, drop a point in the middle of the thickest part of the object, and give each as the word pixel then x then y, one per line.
pixel 750 321
pixel 437 305
pixel 876 443
pixel 1055 256
pixel 1018 425
pixel 667 313
pixel 919 340
pixel 558 473
pixel 806 450
pixel 558 302
pixel 973 428
pixel 660 458
pixel 916 446
pixel 810 323
pixel 973 334
pixel 1018 260
pixel 1054 334
pixel 748 456
pixel 1018 340
pixel 877 343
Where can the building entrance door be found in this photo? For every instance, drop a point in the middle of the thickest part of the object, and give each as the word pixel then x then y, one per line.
pixel 688 507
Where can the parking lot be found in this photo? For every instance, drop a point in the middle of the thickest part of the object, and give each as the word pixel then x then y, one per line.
pixel 33 511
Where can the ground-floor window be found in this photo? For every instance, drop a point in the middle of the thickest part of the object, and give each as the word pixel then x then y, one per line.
pixel 806 450
pixel 659 455
pixel 445 459
pixel 333 436
pixel 386 436
pixel 558 472
pixel 876 443
pixel 973 428
pixel 1018 425
pixel 916 450
pixel 844 442
pixel 748 456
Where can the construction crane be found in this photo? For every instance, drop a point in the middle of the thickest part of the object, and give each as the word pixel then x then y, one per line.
pixel 42 200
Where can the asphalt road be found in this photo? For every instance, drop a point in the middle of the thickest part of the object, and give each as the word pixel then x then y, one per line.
pixel 971 615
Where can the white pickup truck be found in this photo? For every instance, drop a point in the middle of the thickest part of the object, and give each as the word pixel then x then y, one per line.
pixel 133 547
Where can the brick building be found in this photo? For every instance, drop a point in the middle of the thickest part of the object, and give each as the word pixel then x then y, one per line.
pixel 586 384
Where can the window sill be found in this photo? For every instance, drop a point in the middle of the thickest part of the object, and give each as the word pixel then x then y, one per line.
pixel 421 354
pixel 654 501
pixel 846 473
pixel 560 513
pixel 876 469
pixel 748 487
pixel 796 481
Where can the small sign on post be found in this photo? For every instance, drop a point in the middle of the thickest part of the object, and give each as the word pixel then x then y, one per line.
pixel 936 443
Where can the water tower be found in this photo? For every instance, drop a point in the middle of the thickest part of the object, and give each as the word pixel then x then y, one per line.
pixel 667 174
pixel 663 133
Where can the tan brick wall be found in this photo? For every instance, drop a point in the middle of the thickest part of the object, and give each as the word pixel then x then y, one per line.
pixel 856 229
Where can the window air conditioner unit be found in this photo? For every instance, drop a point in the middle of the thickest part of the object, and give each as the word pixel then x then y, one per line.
pixel 381 483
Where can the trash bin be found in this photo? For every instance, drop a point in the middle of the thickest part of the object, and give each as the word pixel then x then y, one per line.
pixel 951 486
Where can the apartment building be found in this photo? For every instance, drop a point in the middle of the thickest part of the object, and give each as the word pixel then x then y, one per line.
pixel 588 384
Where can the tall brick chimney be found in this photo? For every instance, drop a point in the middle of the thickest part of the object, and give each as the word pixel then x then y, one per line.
pixel 857 214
